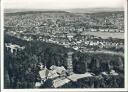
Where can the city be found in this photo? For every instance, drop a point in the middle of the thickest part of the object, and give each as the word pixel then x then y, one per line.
pixel 60 49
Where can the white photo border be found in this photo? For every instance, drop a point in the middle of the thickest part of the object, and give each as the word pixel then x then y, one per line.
pixel 64 90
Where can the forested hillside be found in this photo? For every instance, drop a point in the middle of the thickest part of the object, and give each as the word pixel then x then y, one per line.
pixel 25 63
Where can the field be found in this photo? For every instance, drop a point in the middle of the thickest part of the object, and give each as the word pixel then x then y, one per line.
pixel 105 35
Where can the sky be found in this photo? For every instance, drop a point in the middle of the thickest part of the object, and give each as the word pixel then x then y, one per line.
pixel 61 4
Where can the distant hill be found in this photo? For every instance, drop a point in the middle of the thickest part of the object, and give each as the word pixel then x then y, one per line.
pixel 32 12
pixel 93 10
pixel 76 10
pixel 109 18
pixel 102 14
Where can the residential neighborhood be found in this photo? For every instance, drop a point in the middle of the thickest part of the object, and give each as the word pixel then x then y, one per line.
pixel 62 49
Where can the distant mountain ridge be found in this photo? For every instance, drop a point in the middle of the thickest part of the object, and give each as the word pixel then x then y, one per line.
pixel 94 10
pixel 76 10
pixel 32 12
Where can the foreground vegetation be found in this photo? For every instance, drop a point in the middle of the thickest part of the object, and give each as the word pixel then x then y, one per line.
pixel 21 68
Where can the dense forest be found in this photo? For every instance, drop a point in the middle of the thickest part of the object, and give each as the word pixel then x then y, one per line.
pixel 21 68
pixel 25 62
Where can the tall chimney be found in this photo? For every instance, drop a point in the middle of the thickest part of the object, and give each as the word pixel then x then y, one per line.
pixel 69 63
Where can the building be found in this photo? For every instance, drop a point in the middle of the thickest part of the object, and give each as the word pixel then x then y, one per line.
pixel 69 63
pixel 13 47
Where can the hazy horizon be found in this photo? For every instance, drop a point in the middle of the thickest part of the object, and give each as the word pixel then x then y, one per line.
pixel 67 8
pixel 62 4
